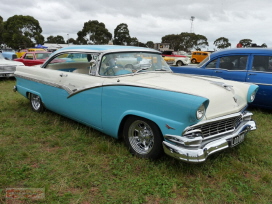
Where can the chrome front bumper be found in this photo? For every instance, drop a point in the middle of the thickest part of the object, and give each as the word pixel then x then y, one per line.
pixel 195 153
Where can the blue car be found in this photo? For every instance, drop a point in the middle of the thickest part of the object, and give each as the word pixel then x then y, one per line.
pixel 9 55
pixel 253 65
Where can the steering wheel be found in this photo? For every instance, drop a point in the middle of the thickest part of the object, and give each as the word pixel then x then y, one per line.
pixel 109 71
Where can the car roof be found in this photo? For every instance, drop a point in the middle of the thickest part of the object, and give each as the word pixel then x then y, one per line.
pixel 37 52
pixel 105 48
pixel 241 51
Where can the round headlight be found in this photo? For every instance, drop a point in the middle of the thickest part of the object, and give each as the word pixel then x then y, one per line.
pixel 200 112
pixel 253 95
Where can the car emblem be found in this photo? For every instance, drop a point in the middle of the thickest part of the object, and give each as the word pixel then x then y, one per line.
pixel 168 127
pixel 235 99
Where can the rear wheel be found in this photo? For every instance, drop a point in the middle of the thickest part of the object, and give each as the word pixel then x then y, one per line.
pixel 143 138
pixel 179 63
pixel 36 103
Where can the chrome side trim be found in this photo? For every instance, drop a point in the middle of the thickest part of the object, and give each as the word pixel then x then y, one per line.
pixel 46 83
pixel 73 92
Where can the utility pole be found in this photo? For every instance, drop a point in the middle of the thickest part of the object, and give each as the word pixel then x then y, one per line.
pixel 192 27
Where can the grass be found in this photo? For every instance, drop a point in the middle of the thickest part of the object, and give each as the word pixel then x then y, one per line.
pixel 76 164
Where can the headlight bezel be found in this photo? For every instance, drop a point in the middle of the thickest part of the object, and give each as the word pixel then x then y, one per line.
pixel 252 93
pixel 200 112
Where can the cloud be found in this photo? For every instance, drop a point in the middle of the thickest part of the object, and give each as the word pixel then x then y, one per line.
pixel 150 20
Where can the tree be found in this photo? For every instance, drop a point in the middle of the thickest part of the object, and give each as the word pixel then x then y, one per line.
pixel 263 45
pixel 200 41
pixel 55 39
pixel 140 44
pixel 94 32
pixel 134 42
pixel 22 31
pixel 222 43
pixel 185 41
pixel 121 35
pixel 1 30
pixel 150 44
pixel 173 40
pixel 246 42
pixel 72 40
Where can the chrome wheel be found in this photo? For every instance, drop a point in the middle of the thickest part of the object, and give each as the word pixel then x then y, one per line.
pixel 141 137
pixel 36 103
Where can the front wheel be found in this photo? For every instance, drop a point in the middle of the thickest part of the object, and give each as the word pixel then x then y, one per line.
pixel 143 138
pixel 36 103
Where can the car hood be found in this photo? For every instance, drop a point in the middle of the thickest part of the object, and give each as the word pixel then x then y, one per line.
pixel 226 97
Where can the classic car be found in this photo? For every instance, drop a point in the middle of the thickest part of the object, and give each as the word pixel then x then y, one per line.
pixel 21 52
pixel 153 109
pixel 7 67
pixel 33 58
pixel 9 55
pixel 253 65
pixel 199 56
pixel 177 59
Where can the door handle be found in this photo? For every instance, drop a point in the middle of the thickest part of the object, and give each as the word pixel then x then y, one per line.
pixel 251 74
pixel 218 71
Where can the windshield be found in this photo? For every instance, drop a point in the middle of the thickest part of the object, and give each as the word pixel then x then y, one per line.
pixel 131 62
pixel 204 61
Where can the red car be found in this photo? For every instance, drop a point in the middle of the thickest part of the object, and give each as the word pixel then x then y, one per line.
pixel 33 58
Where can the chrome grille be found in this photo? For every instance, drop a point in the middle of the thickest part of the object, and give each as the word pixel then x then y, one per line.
pixel 219 126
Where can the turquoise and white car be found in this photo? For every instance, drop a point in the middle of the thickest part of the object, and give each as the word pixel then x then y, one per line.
pixel 131 93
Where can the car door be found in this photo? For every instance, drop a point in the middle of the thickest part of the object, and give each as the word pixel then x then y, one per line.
pixel 28 59
pixel 231 67
pixel 77 94
pixel 260 73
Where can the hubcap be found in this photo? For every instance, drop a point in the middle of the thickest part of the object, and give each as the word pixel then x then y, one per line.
pixel 36 102
pixel 141 137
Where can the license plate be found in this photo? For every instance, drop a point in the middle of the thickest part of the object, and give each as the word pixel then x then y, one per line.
pixel 237 140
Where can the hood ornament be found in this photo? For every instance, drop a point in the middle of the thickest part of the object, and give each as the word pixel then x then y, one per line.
pixel 222 84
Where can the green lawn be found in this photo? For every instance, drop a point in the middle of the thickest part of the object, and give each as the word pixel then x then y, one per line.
pixel 76 164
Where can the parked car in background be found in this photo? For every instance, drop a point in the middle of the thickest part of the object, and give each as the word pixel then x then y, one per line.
pixel 176 59
pixel 199 56
pixel 21 52
pixel 145 103
pixel 253 65
pixel 9 55
pixel 7 67
pixel 33 58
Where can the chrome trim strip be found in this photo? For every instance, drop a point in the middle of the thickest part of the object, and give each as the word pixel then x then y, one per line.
pixel 261 84
pixel 46 83
pixel 73 92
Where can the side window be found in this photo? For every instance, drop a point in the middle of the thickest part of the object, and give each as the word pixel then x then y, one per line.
pixel 234 62
pixel 29 56
pixel 212 64
pixel 262 63
pixel 204 54
pixel 70 62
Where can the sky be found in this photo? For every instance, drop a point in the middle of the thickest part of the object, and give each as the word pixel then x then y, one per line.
pixel 150 20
